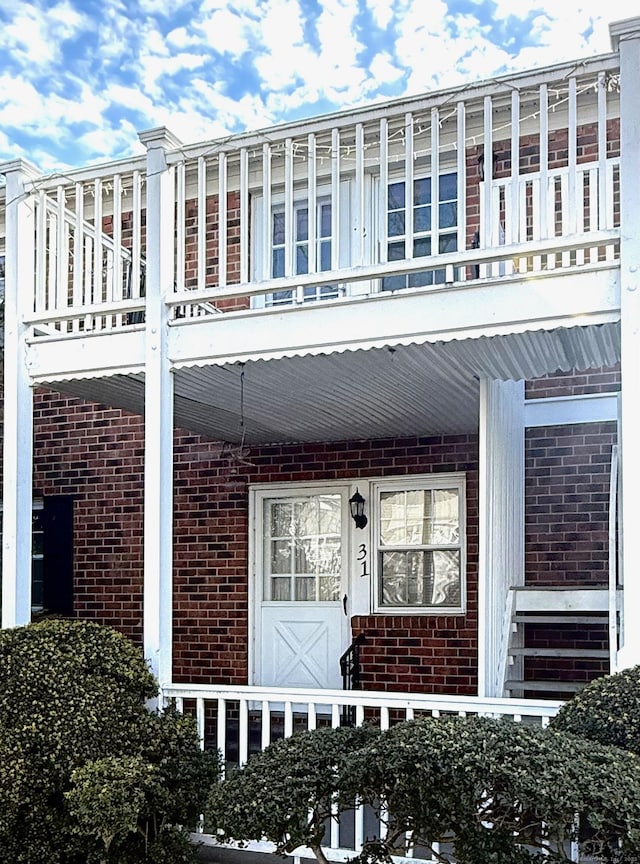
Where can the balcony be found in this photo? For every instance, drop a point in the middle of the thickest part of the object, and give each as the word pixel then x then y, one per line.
pixel 484 211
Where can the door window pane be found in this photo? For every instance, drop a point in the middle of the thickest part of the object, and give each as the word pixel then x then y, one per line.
pixel 303 548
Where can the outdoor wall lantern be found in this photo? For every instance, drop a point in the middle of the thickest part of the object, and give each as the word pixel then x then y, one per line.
pixel 356 505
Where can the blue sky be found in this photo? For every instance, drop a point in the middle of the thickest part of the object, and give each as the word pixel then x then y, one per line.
pixel 80 78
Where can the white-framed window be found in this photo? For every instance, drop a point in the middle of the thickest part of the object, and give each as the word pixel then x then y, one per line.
pixel 302 545
pixel 430 235
pixel 419 538
pixel 303 248
pixel 334 243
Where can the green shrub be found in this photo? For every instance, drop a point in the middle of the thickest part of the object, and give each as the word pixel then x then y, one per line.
pixel 489 791
pixel 607 711
pixel 499 791
pixel 286 792
pixel 79 750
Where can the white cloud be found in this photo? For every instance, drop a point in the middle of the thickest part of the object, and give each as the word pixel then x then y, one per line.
pixel 181 38
pixel 282 25
pixel 382 11
pixel 383 70
pixel 226 32
pixel 34 37
pixel 67 70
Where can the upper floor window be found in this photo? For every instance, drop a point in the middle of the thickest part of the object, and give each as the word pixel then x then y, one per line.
pixel 431 235
pixel 317 249
pixel 420 541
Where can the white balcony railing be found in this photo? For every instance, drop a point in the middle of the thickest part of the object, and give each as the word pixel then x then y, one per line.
pixel 387 198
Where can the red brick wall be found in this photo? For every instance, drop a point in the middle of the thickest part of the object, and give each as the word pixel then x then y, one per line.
pixel 567 504
pixel 211 590
pixel 575 383
pixel 96 455
pixel 212 241
pixel 567 487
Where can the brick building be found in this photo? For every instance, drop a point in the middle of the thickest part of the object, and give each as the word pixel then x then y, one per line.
pixel 224 348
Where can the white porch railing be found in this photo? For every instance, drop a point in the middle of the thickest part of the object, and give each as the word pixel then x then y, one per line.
pixel 241 720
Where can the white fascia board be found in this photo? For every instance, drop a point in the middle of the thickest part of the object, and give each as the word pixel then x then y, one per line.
pixel 109 353
pixel 443 314
pixel 565 410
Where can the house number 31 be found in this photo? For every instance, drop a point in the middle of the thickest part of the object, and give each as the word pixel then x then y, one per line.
pixel 363 559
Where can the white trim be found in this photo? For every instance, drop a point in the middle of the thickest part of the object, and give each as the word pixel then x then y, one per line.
pixel 500 522
pixel 158 418
pixel 563 410
pixel 629 46
pixel 454 480
pixel 18 399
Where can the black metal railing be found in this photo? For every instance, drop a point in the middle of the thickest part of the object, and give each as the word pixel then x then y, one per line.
pixel 350 664
pixel 350 671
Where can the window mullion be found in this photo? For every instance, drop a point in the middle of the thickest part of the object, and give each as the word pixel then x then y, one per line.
pixel 435 181
pixel 408 192
pixel 289 240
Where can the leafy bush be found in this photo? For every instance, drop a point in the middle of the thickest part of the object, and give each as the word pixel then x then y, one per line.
pixel 287 792
pixel 499 791
pixel 487 790
pixel 87 772
pixel 607 711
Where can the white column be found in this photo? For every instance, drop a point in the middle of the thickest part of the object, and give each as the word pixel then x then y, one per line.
pixel 158 413
pixel 18 397
pixel 501 523
pixel 625 36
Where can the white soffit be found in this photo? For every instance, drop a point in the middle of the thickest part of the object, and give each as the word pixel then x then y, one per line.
pixel 423 390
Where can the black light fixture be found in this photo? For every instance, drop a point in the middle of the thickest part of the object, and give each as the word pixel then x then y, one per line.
pixel 356 505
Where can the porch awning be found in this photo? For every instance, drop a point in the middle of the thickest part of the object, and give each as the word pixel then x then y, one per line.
pixel 417 389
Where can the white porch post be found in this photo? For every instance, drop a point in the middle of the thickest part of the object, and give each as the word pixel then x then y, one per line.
pixel 625 36
pixel 18 397
pixel 158 411
pixel 501 523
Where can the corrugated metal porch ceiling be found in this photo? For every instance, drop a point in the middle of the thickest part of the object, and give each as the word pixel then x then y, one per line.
pixel 405 390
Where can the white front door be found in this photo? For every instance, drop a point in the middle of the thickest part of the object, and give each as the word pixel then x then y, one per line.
pixel 301 626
